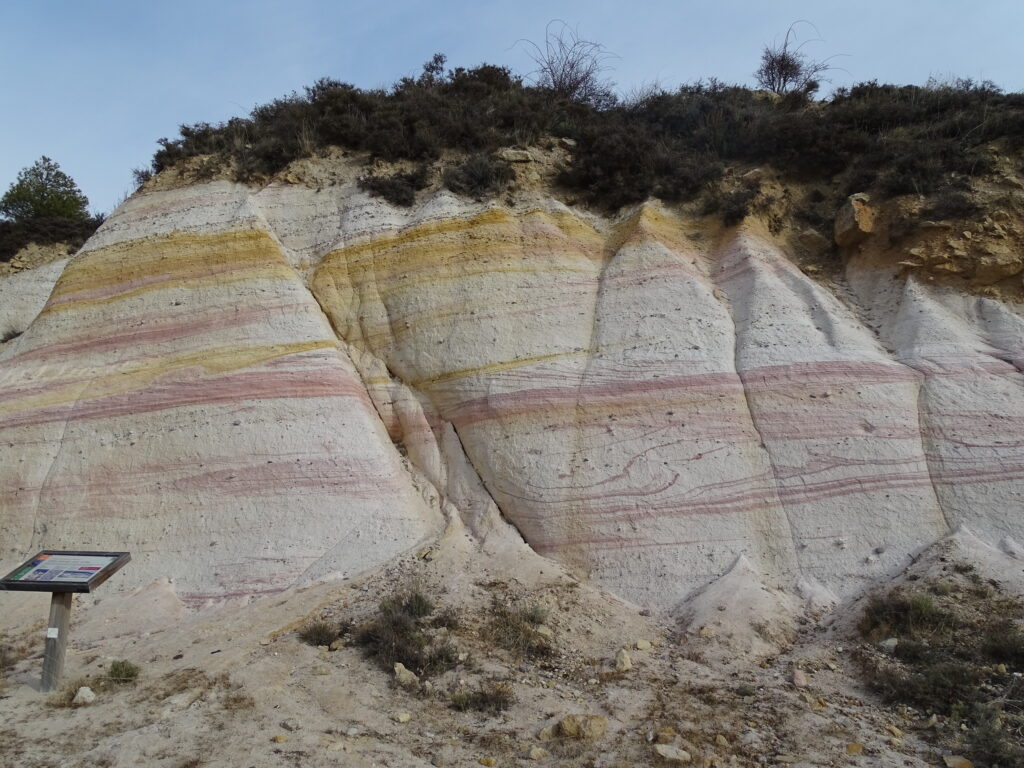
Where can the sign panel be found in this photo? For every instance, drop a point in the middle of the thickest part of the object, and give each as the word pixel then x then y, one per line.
pixel 53 571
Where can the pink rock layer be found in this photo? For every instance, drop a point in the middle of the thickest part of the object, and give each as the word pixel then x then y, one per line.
pixel 224 382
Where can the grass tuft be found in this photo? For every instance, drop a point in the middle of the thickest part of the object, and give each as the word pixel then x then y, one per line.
pixel 904 615
pixel 492 696
pixel 448 618
pixel 517 629
pixel 317 633
pixel 414 604
pixel 1003 643
pixel 399 633
pixel 122 672
pixel 236 700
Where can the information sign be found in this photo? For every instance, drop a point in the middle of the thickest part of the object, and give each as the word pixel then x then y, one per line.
pixel 53 571
pixel 61 573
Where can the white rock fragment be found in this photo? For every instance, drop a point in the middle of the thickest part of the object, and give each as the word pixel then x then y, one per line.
pixel 672 754
pixel 84 697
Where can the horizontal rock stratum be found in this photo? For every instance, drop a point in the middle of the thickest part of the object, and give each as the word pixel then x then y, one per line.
pixel 255 389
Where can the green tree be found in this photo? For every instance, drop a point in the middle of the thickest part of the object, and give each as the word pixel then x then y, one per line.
pixel 44 190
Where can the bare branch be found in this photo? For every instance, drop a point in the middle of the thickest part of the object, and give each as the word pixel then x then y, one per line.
pixel 571 66
pixel 786 69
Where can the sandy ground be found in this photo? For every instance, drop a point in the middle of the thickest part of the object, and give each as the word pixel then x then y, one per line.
pixel 236 687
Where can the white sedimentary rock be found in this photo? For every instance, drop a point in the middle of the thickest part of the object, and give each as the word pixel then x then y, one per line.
pixel 253 389
pixel 22 295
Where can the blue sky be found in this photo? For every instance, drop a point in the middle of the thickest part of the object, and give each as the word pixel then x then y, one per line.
pixel 94 85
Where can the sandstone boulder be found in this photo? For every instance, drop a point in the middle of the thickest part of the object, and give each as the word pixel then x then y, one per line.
pixel 993 267
pixel 515 156
pixel 406 677
pixel 855 221
pixel 672 754
pixel 583 727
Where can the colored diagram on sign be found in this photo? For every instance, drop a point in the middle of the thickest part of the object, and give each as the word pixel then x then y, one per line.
pixel 75 568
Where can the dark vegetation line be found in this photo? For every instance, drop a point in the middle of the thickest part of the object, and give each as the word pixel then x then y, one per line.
pixel 887 139
pixel 44 230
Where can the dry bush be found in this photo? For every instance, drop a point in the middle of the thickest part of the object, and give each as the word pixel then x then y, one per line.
pixel 479 176
pixel 448 618
pixel 950 204
pixel 399 634
pixel 414 603
pixel 398 188
pixel 732 206
pixel 786 69
pixel 179 681
pixel 516 629
pixel 319 632
pixel 871 137
pixel 905 615
pixel 959 650
pixel 492 696
pixel 572 67
pixel 1003 642
pixel 235 701
pixel 995 738
pixel 122 672
pixel 62 699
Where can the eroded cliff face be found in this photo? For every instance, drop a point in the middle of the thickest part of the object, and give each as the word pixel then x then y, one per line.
pixel 251 389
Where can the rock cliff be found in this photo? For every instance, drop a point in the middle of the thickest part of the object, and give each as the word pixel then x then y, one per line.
pixel 256 388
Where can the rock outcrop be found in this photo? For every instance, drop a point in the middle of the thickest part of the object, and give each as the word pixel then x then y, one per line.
pixel 255 389
pixel 855 221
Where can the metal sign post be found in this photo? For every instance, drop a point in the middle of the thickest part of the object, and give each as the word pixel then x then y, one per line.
pixel 62 574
